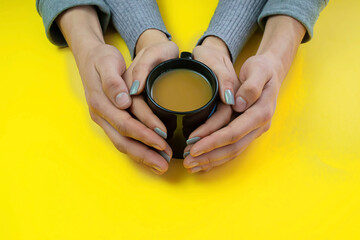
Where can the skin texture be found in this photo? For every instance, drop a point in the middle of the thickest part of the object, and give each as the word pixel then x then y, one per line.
pixel 215 54
pixel 260 78
pixel 106 82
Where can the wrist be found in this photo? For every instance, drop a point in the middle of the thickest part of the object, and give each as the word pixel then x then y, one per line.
pixel 281 39
pixel 150 37
pixel 216 43
pixel 81 29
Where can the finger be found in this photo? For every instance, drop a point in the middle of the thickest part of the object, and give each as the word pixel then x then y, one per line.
pixel 221 153
pixel 124 123
pixel 254 79
pixel 220 118
pixel 136 150
pixel 110 70
pixel 209 167
pixel 253 118
pixel 225 73
pixel 142 112
pixel 148 60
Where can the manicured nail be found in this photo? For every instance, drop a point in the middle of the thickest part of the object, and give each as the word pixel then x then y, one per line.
pixel 186 154
pixel 195 169
pixel 240 104
pixel 160 133
pixel 164 155
pixel 134 87
pixel 122 99
pixel 229 97
pixel 157 168
pixel 192 140
pixel 193 164
pixel 155 171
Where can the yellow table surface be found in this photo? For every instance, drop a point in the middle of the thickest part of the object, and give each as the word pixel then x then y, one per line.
pixel 61 178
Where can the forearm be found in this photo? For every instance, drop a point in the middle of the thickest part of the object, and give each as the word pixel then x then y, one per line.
pixel 281 40
pixel 234 21
pixel 81 28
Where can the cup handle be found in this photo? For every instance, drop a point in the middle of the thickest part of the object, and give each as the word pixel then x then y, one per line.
pixel 186 55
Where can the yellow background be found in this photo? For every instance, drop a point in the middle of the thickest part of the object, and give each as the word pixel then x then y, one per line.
pixel 61 178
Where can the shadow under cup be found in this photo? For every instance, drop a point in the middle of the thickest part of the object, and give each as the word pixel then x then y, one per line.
pixel 179 125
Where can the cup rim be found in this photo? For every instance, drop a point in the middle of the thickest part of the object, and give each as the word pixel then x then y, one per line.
pixel 148 90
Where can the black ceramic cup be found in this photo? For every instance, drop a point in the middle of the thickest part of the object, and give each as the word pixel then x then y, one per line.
pixel 179 125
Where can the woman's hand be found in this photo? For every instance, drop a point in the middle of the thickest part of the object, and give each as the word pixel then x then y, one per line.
pixel 152 48
pixel 261 77
pixel 214 53
pixel 222 141
pixel 101 66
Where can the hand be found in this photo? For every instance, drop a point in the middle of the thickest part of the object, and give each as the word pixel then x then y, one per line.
pixel 152 48
pixel 214 53
pixel 261 77
pixel 100 67
pixel 127 134
pixel 222 141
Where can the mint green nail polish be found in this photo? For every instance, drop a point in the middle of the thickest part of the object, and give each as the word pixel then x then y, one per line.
pixel 160 132
pixel 229 97
pixel 186 154
pixel 134 87
pixel 192 140
pixel 164 155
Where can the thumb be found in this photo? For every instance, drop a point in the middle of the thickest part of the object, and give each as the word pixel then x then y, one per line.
pixel 251 89
pixel 112 83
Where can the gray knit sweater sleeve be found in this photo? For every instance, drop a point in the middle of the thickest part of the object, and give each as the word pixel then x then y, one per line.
pixel 234 21
pixel 50 9
pixel 132 17
pixel 305 11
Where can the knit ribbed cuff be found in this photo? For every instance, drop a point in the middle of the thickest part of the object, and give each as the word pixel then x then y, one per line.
pixel 50 9
pixel 305 11
pixel 234 22
pixel 132 18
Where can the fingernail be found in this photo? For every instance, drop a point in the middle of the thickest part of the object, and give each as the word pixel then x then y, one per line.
pixel 164 155
pixel 229 97
pixel 155 171
pixel 240 104
pixel 160 133
pixel 186 154
pixel 134 87
pixel 195 169
pixel 122 99
pixel 157 168
pixel 192 140
pixel 193 164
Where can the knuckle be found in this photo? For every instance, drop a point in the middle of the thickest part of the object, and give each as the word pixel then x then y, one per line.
pixel 94 101
pixel 267 126
pixel 121 126
pixel 227 79
pixel 139 68
pixel 252 91
pixel 120 146
pixel 231 135
pixel 110 82
pixel 205 160
pixel 264 116
pixel 94 116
